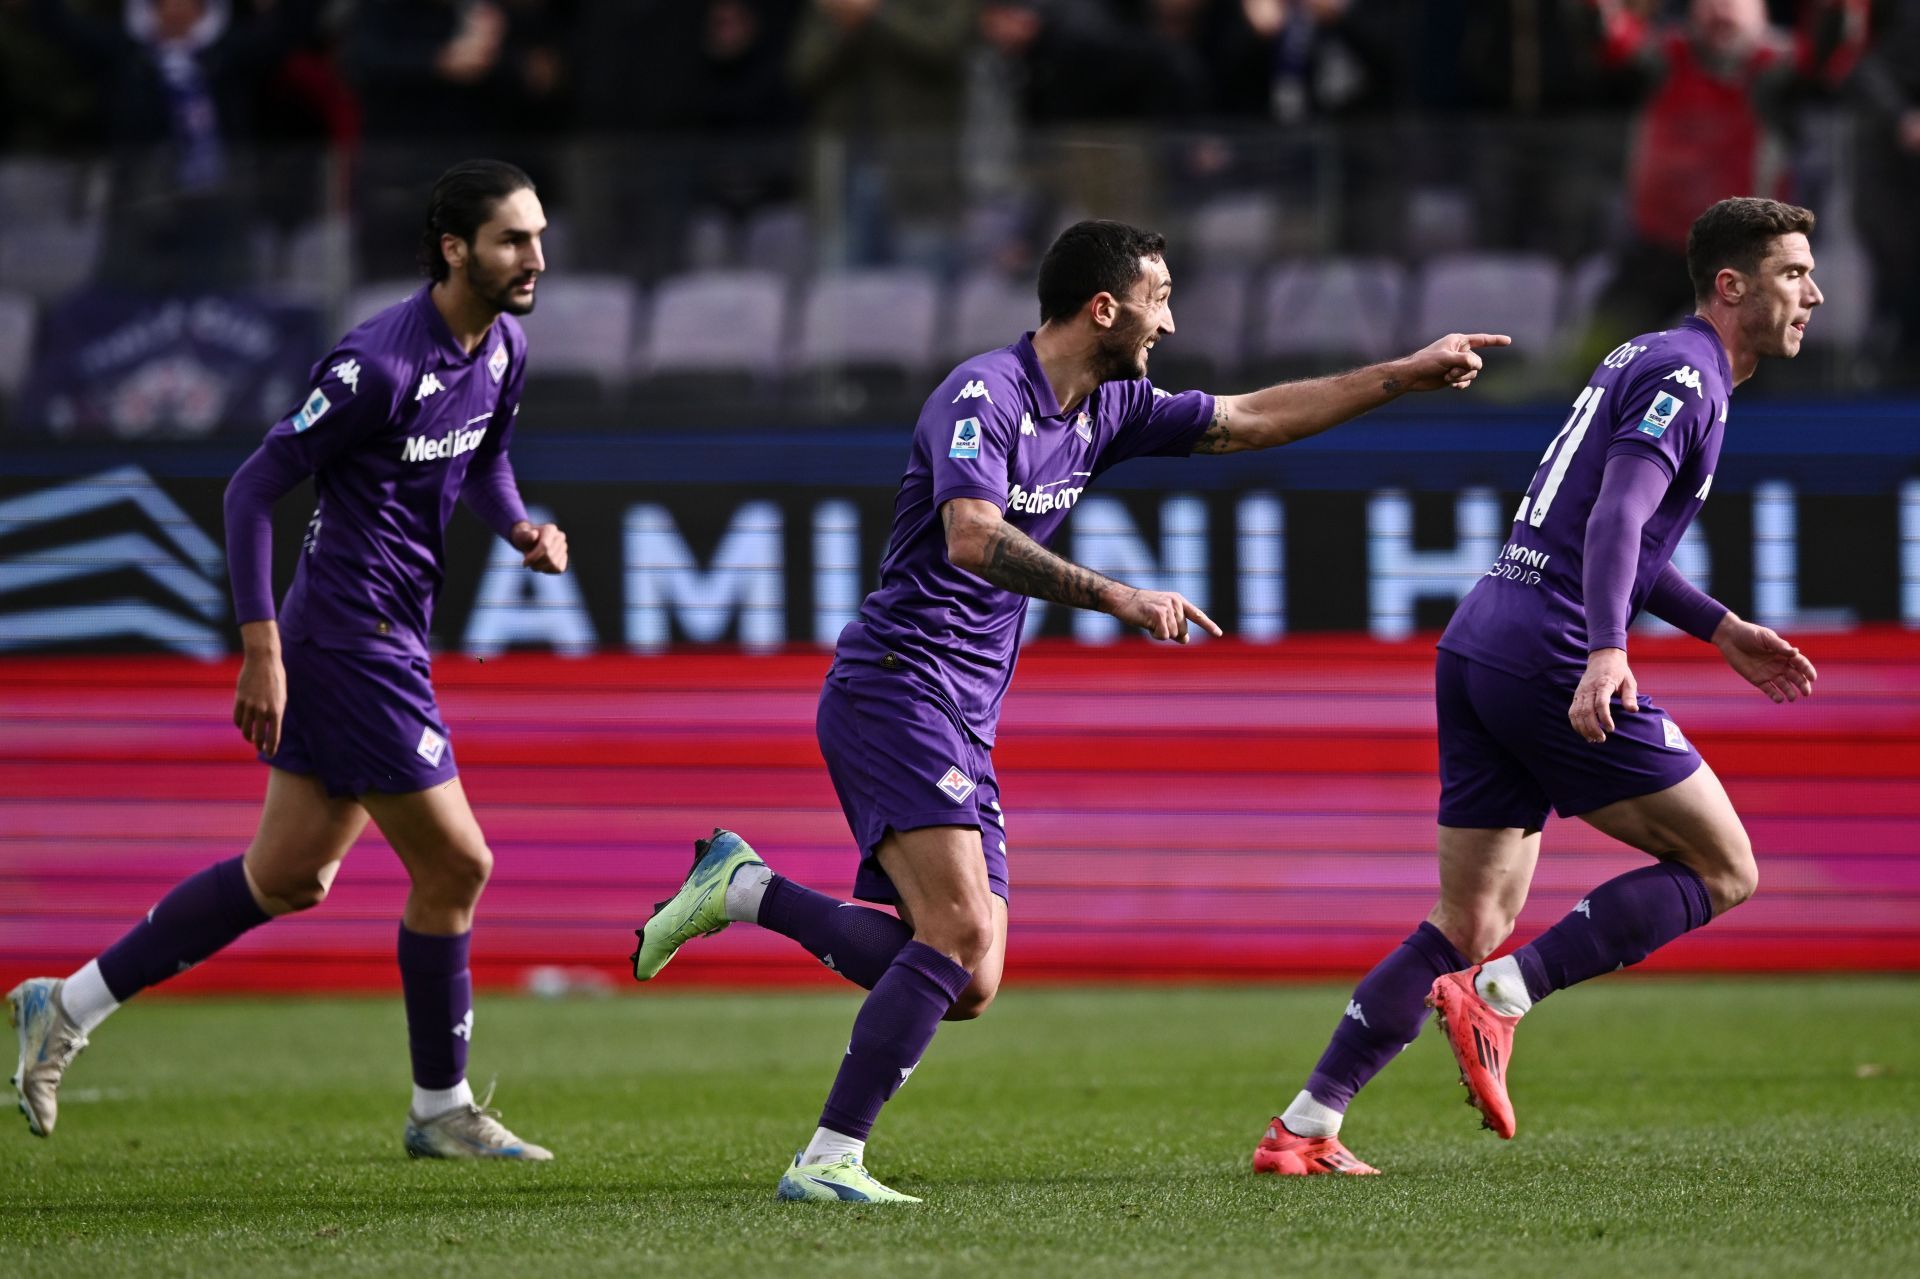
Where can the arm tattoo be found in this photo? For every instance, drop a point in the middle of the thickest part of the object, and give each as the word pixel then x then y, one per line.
pixel 1219 435
pixel 1018 563
pixel 1390 385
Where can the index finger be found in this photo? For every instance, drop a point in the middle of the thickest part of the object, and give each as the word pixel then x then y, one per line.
pixel 1487 339
pixel 1195 614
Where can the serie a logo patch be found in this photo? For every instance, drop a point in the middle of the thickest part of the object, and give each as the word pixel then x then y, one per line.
pixel 966 438
pixel 1659 415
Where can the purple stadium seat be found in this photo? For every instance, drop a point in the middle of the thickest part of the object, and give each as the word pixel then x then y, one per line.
pixel 717 322
pixel 877 318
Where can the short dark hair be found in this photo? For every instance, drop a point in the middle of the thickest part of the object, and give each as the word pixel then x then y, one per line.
pixel 1737 233
pixel 1089 258
pixel 461 203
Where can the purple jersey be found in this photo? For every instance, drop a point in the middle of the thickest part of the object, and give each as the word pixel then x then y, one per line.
pixel 401 422
pixel 1662 396
pixel 994 431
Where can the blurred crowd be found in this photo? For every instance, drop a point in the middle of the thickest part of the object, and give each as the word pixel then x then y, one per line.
pixel 941 133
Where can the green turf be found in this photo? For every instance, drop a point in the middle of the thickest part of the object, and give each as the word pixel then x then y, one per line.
pixel 1665 1128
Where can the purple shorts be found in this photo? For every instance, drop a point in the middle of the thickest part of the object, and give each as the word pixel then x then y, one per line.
pixel 900 760
pixel 362 721
pixel 1507 752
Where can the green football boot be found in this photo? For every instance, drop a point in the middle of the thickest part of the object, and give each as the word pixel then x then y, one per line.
pixel 845 1180
pixel 699 909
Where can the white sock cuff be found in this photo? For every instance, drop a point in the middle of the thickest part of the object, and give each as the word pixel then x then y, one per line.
pixel 828 1145
pixel 431 1102
pixel 86 998
pixel 1305 1117
pixel 1502 984
pixel 745 891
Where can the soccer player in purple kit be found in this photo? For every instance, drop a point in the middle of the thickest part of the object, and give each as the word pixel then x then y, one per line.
pixel 1003 450
pixel 410 413
pixel 1539 709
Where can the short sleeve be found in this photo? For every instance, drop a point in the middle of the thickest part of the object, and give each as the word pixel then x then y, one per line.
pixel 1157 423
pixel 354 395
pixel 1662 415
pixel 970 435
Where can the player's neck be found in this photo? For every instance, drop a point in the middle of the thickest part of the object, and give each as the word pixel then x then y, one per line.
pixel 1726 326
pixel 468 318
pixel 1068 363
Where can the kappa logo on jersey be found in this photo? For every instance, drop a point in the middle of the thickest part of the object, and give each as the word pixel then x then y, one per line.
pixel 1083 427
pixel 432 747
pixel 956 784
pixel 1705 485
pixel 1660 415
pixel 1583 907
pixel 498 364
pixel 1026 424
pixel 348 371
pixel 429 385
pixel 1688 376
pixel 1353 1011
pixel 972 391
pixel 426 448
pixel 966 438
pixel 1675 740
pixel 312 411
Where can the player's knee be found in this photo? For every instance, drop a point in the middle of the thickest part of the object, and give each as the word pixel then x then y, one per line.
pixel 290 894
pixel 1476 931
pixel 965 936
pixel 1728 868
pixel 457 876
pixel 973 1000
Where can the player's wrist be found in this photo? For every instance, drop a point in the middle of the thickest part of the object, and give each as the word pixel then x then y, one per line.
pixel 260 639
pixel 1723 631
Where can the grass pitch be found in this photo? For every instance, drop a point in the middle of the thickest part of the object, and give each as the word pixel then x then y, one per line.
pixel 1723 1128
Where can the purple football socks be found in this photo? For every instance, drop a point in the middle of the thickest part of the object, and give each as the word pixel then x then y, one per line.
pixel 1385 1015
pixel 1616 926
pixel 857 942
pixel 203 913
pixel 439 997
pixel 895 1025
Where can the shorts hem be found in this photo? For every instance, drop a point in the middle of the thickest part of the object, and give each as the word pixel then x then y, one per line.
pixel 1633 788
pixel 1484 821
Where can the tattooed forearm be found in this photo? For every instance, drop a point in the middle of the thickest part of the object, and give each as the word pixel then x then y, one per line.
pixel 1391 386
pixel 1018 563
pixel 1219 435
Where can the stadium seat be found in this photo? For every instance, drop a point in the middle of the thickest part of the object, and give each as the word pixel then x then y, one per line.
pixel 34 189
pixel 47 259
pixel 583 327
pixel 1331 309
pixel 992 311
pixel 875 319
pixel 16 340
pixel 373 297
pixel 717 322
pixel 1210 334
pixel 779 239
pixel 1235 230
pixel 1512 293
pixel 317 257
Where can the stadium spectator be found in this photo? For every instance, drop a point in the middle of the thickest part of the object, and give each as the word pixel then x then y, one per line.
pixel 1887 88
pixel 1718 91
pixel 444 78
pixel 885 81
pixel 178 83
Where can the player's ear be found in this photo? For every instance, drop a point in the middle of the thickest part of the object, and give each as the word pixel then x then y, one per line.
pixel 453 249
pixel 1105 309
pixel 1732 285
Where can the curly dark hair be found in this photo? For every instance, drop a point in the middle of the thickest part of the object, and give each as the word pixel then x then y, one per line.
pixel 1089 258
